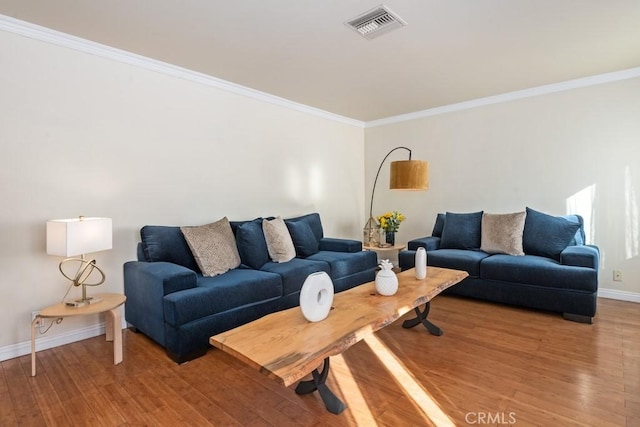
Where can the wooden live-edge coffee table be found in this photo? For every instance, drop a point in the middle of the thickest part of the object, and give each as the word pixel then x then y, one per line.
pixel 286 347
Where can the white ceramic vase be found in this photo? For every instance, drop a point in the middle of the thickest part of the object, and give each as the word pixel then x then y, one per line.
pixel 386 279
pixel 316 296
pixel 421 263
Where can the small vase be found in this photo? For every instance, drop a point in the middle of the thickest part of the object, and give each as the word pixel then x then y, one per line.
pixel 421 263
pixel 386 279
pixel 390 237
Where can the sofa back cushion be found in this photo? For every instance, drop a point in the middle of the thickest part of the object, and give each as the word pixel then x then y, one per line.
pixel 439 225
pixel 251 244
pixel 166 243
pixel 461 231
pixel 304 240
pixel 579 238
pixel 313 219
pixel 547 235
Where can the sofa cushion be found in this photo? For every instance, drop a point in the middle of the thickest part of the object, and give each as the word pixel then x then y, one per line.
pixel 538 270
pixel 461 231
pixel 313 219
pixel 304 241
pixel 345 264
pixel 458 259
pixel 581 256
pixel 502 233
pixel 579 238
pixel 166 243
pixel 279 243
pixel 213 246
pixel 429 243
pixel 333 244
pixel 439 225
pixel 547 235
pixel 252 246
pixel 228 291
pixel 294 272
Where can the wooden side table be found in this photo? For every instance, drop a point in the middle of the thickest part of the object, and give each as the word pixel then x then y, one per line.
pixel 383 253
pixel 113 318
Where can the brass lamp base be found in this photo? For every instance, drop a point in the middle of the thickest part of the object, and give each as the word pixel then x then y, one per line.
pixel 85 269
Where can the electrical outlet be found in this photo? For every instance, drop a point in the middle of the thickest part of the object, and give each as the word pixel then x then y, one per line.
pixel 33 316
pixel 617 276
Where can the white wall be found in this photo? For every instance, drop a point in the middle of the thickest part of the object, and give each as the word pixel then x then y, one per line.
pixel 576 151
pixel 81 134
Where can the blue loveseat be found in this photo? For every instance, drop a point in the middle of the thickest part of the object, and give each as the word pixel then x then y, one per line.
pixel 169 299
pixel 555 270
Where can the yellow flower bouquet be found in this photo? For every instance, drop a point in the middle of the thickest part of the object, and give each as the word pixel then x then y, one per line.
pixel 390 221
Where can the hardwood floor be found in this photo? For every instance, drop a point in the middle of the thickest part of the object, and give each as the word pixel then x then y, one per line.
pixel 494 365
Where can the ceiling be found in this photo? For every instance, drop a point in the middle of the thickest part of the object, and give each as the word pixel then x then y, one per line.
pixel 451 50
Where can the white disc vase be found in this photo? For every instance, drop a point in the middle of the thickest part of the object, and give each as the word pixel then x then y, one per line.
pixel 316 296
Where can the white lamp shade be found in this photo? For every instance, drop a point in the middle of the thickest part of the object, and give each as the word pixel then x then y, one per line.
pixel 78 236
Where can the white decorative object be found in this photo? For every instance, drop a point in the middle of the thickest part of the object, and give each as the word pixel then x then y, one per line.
pixel 386 279
pixel 421 263
pixel 316 296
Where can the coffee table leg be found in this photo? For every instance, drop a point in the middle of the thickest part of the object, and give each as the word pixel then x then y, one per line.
pixel 333 404
pixel 421 317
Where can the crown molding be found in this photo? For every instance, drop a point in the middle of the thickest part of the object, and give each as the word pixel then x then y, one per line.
pixel 615 76
pixel 58 38
pixel 44 34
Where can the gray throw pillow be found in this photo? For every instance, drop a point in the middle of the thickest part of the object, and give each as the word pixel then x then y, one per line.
pixel 279 243
pixel 213 247
pixel 502 233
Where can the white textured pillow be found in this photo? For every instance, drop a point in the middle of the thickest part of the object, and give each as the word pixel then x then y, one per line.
pixel 502 233
pixel 279 243
pixel 213 246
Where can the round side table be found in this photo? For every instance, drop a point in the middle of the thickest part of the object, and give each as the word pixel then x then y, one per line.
pixel 383 253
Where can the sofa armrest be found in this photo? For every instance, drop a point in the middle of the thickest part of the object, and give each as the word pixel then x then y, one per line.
pixel 160 278
pixel 340 245
pixel 430 243
pixel 145 285
pixel 581 256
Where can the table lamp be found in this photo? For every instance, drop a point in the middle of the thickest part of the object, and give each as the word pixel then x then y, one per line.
pixel 404 175
pixel 77 237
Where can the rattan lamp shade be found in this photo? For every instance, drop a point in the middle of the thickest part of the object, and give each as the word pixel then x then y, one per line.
pixel 409 175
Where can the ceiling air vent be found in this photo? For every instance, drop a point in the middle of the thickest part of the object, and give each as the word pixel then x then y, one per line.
pixel 376 22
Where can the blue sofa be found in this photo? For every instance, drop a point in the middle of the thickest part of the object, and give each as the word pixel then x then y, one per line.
pixel 556 272
pixel 169 300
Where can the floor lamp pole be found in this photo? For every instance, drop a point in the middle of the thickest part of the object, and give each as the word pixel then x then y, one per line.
pixel 373 191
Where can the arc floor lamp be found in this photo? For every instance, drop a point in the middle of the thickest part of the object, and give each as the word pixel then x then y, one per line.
pixel 403 175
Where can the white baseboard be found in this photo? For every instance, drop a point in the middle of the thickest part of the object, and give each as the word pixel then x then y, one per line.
pixel 620 295
pixel 44 342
